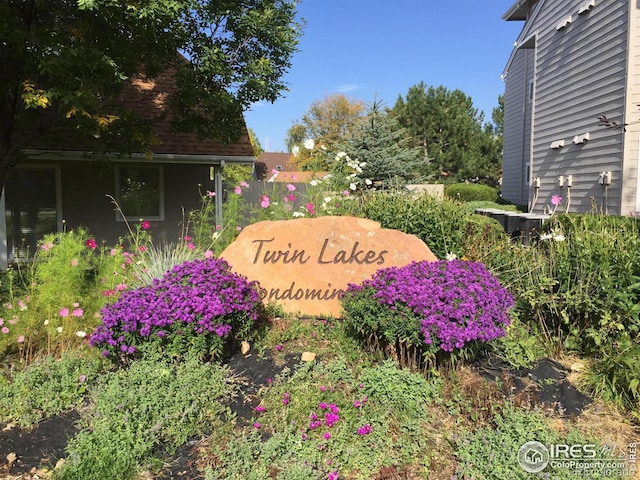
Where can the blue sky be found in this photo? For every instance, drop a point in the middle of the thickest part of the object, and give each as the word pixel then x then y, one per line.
pixel 370 49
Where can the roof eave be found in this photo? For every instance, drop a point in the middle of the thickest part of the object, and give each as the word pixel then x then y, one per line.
pixel 138 157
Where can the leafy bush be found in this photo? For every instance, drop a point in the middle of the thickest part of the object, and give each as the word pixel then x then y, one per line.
pixel 471 192
pixel 428 307
pixel 68 283
pixel 198 306
pixel 440 224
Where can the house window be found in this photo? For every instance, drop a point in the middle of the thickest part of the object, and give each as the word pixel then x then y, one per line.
pixel 530 91
pixel 279 168
pixel 32 208
pixel 139 192
pixel 527 173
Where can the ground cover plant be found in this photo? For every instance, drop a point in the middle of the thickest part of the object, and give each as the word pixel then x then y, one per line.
pixel 362 409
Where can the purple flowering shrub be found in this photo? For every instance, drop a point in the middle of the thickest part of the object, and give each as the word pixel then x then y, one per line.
pixel 428 307
pixel 199 307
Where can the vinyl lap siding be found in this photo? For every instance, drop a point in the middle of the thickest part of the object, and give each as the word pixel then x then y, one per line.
pixel 513 153
pixel 580 74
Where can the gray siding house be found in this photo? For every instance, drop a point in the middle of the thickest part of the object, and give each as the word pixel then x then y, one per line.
pixel 573 62
pixel 58 187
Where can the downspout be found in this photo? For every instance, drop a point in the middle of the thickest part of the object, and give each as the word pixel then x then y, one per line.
pixel 219 193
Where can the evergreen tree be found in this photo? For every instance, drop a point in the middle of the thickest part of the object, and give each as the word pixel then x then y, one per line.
pixel 380 146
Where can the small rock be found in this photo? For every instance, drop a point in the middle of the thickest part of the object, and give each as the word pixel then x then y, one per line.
pixel 245 348
pixel 308 356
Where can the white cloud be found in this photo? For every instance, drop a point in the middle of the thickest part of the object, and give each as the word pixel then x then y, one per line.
pixel 348 87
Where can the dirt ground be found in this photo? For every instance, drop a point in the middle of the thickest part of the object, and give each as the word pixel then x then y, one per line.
pixel 25 454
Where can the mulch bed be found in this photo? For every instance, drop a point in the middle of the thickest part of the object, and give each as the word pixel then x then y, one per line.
pixel 44 445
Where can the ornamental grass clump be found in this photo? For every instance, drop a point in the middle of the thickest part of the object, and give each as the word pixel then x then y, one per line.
pixel 199 306
pixel 428 312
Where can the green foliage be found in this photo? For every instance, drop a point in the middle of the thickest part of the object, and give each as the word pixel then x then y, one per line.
pixel 47 387
pixel 614 374
pixel 447 127
pixel 491 452
pixel 155 261
pixel 242 48
pixel 57 306
pixel 471 192
pixel 472 206
pixel 312 424
pixel 153 404
pixel 387 159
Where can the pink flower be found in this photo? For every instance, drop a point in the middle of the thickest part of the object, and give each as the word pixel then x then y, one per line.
pixel 364 429
pixel 322 388
pixel 20 338
pixel 291 197
pixel 210 193
pixel 142 248
pixel 146 225
pixel 4 330
pixel 74 262
pixel 556 200
pixel 260 408
pixel 77 312
pixel 310 208
pixel 278 347
pixel 1 321
pixel 274 171
pixel 82 378
pixel 64 312
pixel 187 238
pixel 46 246
pixel 326 436
pixel 208 254
pixel 244 184
pixel 91 243
pixel 264 201
pixel 191 246
pixel 291 187
pixel 237 191
pixel 257 425
pixel 269 380
pixel 333 476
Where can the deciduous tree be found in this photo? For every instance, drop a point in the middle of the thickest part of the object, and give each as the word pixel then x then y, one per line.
pixel 326 123
pixel 63 63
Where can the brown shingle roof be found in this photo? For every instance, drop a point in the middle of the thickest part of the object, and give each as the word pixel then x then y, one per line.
pixel 149 97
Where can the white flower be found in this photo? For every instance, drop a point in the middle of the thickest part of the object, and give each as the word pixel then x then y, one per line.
pixel 327 199
pixel 46 322
pixel 80 334
pixel 367 181
pixel 558 238
pixel 295 150
pixel 309 144
pixel 313 183
pixel 451 256
pixel 297 214
pixel 215 235
pixel 339 155
pixel 59 329
pixel 546 236
pixel 352 186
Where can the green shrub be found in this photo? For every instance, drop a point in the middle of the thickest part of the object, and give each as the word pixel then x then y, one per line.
pixel 471 192
pixel 199 307
pixel 69 281
pixel 439 223
pixel 427 312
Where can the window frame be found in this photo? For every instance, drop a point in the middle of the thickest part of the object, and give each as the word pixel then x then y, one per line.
pixel 120 216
